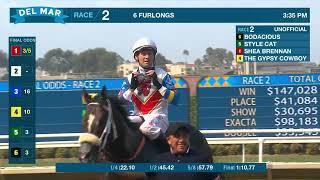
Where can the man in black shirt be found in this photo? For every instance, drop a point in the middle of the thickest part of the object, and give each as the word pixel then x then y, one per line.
pixel 180 152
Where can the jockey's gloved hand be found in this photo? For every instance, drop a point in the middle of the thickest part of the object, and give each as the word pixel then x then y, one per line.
pixel 155 81
pixel 134 82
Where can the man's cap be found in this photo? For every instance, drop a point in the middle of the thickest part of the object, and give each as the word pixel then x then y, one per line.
pixel 174 128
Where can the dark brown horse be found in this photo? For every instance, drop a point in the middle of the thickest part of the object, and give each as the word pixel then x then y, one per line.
pixel 110 136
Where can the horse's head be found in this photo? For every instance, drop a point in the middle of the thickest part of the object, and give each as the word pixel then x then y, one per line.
pixel 106 129
pixel 94 125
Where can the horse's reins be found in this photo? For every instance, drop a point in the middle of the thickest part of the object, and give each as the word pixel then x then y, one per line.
pixel 142 142
pixel 109 124
pixel 137 152
pixel 107 129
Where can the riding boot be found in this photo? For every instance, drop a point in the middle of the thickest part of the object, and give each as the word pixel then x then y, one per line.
pixel 161 143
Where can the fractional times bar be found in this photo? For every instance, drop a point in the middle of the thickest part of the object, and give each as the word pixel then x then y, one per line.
pixel 161 167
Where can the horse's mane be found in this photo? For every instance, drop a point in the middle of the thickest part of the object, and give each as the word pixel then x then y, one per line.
pixel 120 104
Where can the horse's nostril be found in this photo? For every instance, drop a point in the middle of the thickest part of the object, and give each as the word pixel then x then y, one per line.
pixel 83 157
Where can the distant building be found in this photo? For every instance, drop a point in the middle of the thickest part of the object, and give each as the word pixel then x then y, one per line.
pixel 205 69
pixel 41 73
pixel 285 68
pixel 126 69
pixel 3 71
pixel 181 69
pixel 315 70
pixel 205 66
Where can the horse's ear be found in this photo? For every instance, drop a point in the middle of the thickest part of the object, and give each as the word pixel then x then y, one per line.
pixel 104 92
pixel 85 96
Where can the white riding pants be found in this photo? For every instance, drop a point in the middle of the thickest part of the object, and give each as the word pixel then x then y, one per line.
pixel 153 124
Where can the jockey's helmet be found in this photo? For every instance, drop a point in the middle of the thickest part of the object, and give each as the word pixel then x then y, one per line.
pixel 144 43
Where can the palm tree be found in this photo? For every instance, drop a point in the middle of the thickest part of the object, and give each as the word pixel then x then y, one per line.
pixel 185 53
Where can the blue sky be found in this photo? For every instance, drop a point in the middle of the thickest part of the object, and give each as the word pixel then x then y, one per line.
pixel 171 39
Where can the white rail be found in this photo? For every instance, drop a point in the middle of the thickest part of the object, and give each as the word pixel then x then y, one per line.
pixel 258 131
pixel 261 140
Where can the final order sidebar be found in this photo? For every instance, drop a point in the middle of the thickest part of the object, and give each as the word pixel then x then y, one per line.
pixel 22 100
pixel 259 43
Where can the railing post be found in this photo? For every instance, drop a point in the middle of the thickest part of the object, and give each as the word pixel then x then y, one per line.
pixel 243 153
pixel 269 170
pixel 260 149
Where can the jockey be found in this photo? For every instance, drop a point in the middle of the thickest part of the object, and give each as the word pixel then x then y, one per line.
pixel 150 89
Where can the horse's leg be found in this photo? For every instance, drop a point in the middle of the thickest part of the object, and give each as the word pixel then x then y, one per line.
pixel 125 176
pixel 103 176
pixel 111 176
pixel 115 176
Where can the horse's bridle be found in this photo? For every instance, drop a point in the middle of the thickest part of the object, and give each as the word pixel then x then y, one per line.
pixel 102 140
pixel 110 125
